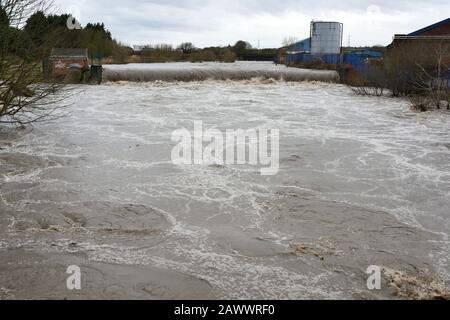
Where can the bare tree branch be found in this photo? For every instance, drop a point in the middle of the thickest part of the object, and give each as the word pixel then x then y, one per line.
pixel 25 96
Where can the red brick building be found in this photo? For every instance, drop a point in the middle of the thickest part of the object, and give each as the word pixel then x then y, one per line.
pixel 62 60
pixel 436 32
pixel 438 29
pixel 429 46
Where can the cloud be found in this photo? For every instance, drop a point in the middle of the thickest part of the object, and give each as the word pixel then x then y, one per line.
pixel 207 22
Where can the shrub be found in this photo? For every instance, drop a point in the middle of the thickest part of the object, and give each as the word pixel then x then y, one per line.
pixel 161 54
pixel 120 53
pixel 203 56
pixel 350 76
pixel 229 57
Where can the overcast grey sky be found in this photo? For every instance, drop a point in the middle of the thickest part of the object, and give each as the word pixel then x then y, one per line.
pixel 207 22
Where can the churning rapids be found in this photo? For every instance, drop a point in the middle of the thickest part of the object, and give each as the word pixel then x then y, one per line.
pixel 363 181
pixel 170 72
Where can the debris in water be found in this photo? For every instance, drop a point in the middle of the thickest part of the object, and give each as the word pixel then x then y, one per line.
pixel 423 286
pixel 320 249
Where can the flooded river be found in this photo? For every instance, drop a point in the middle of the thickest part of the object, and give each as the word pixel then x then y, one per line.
pixel 363 181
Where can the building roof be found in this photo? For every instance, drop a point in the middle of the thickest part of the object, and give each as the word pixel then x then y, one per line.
pixel 69 52
pixel 429 28
pixel 300 46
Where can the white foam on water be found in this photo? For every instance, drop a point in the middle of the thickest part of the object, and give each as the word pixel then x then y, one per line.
pixel 371 152
pixel 212 71
pixel 231 276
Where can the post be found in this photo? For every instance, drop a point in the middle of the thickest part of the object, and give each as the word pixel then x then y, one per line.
pixel 97 73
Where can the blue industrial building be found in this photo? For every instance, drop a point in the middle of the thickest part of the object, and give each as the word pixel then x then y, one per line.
pixel 359 58
pixel 301 46
pixel 308 57
pixel 325 45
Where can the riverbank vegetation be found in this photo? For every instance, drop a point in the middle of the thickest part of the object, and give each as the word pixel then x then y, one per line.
pixel 419 71
pixel 25 96
pixel 27 35
pixel 40 32
pixel 188 52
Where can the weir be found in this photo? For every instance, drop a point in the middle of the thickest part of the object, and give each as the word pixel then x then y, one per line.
pixel 186 72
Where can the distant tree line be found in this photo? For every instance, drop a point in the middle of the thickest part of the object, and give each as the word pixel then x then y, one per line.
pixel 187 51
pixel 50 31
pixel 43 32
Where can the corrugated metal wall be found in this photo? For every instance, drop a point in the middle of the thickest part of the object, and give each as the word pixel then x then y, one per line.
pixel 306 57
pixel 359 60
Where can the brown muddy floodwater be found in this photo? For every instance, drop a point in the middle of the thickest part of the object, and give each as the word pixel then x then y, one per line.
pixel 363 181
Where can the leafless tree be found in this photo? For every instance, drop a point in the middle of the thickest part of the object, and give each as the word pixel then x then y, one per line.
pixel 187 47
pixel 431 81
pixel 18 11
pixel 25 96
pixel 289 41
